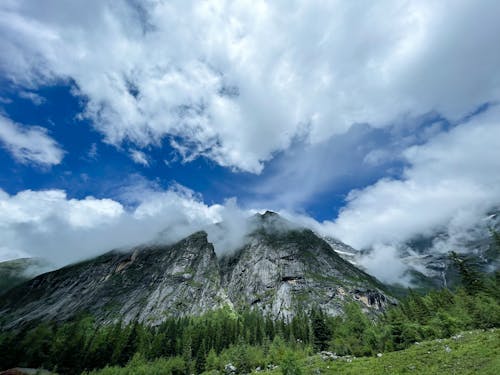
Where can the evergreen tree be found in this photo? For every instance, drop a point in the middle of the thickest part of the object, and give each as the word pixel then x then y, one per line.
pixel 212 361
pixel 321 331
pixel 471 278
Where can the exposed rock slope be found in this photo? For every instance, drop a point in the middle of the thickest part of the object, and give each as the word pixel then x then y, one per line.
pixel 280 269
pixel 146 284
pixel 427 257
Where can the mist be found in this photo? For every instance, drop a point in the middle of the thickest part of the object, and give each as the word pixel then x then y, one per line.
pixel 49 225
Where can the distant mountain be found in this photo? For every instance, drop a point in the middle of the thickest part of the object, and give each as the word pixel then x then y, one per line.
pixel 279 270
pixel 427 257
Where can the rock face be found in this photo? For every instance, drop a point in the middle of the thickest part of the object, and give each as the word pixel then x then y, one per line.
pixel 427 257
pixel 279 270
pixel 282 269
pixel 146 284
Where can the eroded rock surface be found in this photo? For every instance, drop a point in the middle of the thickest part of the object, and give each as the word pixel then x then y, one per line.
pixel 281 269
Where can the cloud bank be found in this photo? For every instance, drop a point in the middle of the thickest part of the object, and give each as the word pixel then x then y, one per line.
pixel 454 176
pixel 49 225
pixel 238 81
pixel 450 185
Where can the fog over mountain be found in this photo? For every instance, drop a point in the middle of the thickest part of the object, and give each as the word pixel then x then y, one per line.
pixel 126 122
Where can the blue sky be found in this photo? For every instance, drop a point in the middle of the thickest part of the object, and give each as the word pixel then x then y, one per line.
pixel 168 116
pixel 93 167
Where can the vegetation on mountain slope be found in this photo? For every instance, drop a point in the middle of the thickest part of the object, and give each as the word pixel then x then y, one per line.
pixel 248 340
pixel 471 352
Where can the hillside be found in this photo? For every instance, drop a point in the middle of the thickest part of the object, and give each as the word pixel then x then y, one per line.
pixel 471 352
pixel 279 270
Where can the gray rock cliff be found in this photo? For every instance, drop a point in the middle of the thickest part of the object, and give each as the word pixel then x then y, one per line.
pixel 280 269
pixel 283 268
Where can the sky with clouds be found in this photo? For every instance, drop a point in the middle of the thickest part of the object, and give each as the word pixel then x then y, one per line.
pixel 373 122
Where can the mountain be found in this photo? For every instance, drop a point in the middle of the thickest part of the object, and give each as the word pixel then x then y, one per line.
pixel 138 285
pixel 427 257
pixel 280 269
pixel 17 271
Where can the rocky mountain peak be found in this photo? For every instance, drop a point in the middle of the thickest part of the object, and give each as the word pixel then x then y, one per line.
pixel 283 271
pixel 269 214
pixel 280 269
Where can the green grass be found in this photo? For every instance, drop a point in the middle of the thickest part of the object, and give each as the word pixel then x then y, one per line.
pixel 474 352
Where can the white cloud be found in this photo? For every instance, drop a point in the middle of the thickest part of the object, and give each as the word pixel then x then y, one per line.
pixel 38 207
pixel 385 263
pixel 92 152
pixel 450 184
pixel 237 81
pixel 453 174
pixel 47 224
pixel 29 144
pixel 34 97
pixel 139 157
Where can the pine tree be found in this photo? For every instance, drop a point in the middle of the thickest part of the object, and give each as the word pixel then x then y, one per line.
pixel 471 278
pixel 212 361
pixel 321 331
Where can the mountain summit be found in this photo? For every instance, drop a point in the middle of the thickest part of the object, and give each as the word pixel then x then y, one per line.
pixel 280 269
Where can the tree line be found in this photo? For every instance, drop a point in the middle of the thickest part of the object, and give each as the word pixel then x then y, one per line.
pixel 248 339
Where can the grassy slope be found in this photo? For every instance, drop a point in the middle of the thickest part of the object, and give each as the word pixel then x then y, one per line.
pixel 475 352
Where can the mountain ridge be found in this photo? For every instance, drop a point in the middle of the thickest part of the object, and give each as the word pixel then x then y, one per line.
pixel 279 270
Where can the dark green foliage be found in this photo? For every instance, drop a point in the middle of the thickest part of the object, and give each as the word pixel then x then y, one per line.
pixel 200 342
pixel 320 329
pixel 248 340
pixel 290 364
pixel 354 333
pixel 471 277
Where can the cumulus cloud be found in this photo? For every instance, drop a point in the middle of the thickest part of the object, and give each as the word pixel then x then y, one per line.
pixel 454 173
pixel 384 262
pixel 228 234
pixel 238 81
pixel 49 225
pixel 29 144
pixel 449 186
